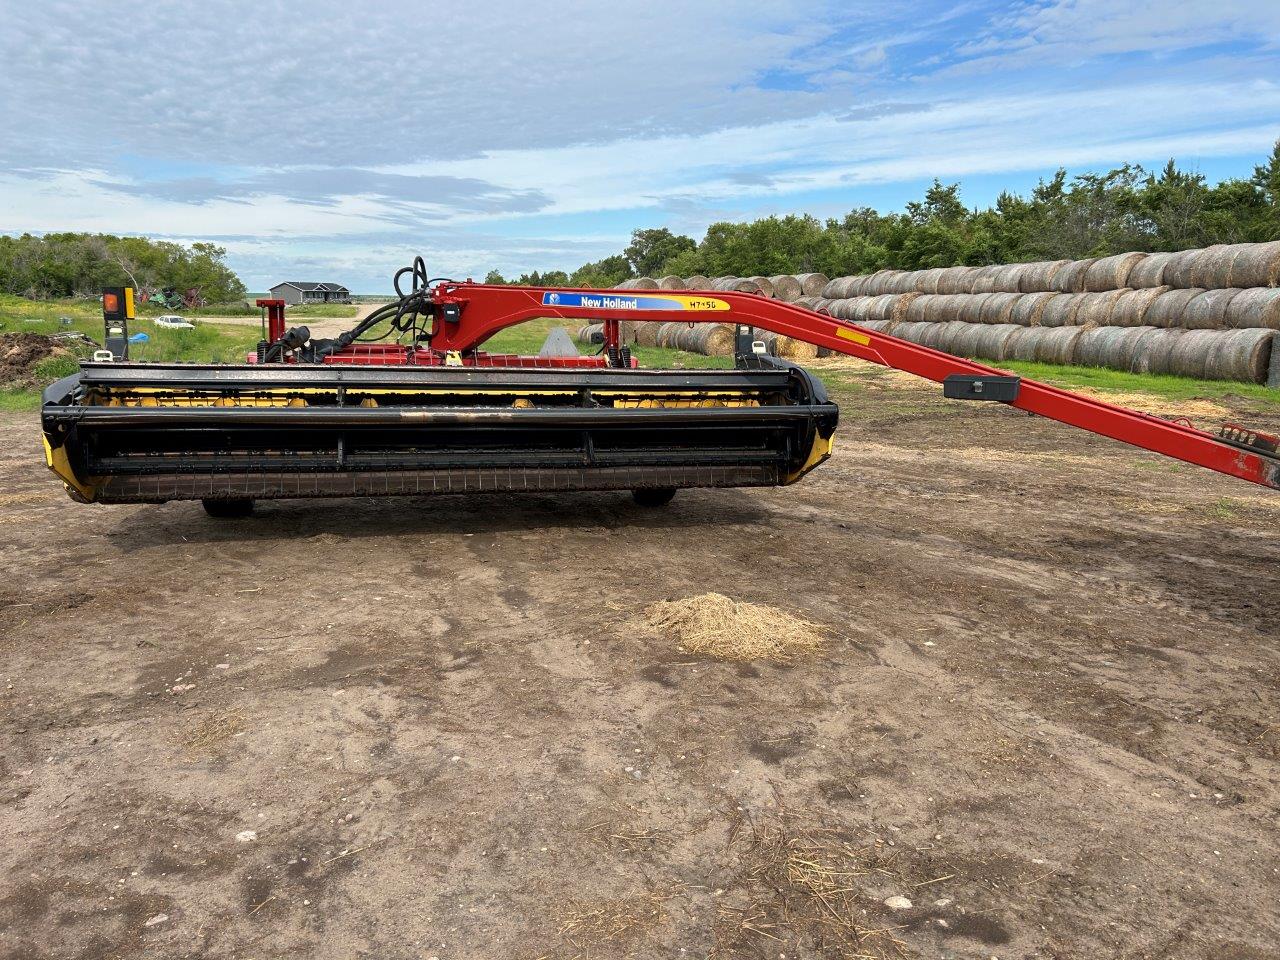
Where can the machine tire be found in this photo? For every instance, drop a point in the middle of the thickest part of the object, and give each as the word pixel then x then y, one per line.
pixel 225 509
pixel 653 496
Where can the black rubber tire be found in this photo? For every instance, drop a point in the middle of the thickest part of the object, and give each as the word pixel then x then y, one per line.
pixel 224 509
pixel 653 496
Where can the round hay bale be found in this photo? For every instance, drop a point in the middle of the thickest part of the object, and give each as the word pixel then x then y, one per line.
pixel 1094 309
pixel 901 304
pixel 1009 277
pixel 1038 277
pixel 1211 267
pixel 627 331
pixel 809 303
pixel 991 341
pixel 912 331
pixel 1177 272
pixel 647 333
pixel 792 349
pixel 697 282
pixel 667 334
pixel 938 336
pixel 1111 273
pixel 1056 344
pixel 997 307
pixel 1256 265
pixel 1149 272
pixel 1154 353
pixel 591 333
pixel 881 307
pixel 929 280
pixel 638 283
pixel 971 307
pixel 1208 311
pixel 836 287
pixel 1166 309
pixel 672 283
pixel 943 307
pixel 1255 307
pixel 964 343
pixel 811 284
pixel 1029 308
pixel 1070 276
pixel 786 287
pixel 984 280
pixel 918 310
pixel 764 286
pixel 708 339
pixel 1131 305
pixel 957 279
pixel 1243 355
pixel 1190 355
pixel 878 283
pixel 736 285
pixel 1061 310
pixel 1025 345
pixel 1097 346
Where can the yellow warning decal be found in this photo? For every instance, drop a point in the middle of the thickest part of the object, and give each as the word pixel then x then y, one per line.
pixel 853 335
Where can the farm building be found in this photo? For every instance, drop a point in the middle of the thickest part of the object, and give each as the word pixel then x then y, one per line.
pixel 296 291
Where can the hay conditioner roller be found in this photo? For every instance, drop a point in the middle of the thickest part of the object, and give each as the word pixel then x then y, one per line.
pixel 429 412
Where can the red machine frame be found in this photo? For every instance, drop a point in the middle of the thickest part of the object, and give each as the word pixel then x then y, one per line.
pixel 482 310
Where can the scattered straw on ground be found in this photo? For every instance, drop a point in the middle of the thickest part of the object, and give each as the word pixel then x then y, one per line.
pixel 1162 406
pixel 714 624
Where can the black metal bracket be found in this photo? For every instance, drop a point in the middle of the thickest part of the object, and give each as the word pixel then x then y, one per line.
pixel 963 386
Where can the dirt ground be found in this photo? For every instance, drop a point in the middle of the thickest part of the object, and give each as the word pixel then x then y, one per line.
pixel 1045 715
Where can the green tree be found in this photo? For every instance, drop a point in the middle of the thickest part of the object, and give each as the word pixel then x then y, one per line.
pixel 650 250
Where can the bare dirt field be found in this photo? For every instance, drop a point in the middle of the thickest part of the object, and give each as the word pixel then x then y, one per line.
pixel 1045 714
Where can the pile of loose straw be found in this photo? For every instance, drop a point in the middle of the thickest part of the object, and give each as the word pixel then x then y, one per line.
pixel 716 625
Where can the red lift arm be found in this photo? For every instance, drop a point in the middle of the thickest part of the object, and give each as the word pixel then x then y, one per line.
pixel 471 313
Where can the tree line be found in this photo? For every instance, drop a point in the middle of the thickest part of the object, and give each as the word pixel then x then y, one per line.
pixel 1088 215
pixel 81 264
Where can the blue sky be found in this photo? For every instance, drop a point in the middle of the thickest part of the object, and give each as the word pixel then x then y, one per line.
pixel 332 140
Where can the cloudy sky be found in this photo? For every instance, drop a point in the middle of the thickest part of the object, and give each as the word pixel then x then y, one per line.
pixel 333 139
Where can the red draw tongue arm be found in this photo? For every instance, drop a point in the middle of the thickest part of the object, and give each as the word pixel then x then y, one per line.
pixel 485 309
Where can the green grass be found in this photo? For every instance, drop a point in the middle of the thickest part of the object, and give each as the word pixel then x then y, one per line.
pixel 1161 385
pixel 320 310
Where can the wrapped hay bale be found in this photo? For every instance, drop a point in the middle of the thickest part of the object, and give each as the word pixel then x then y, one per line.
pixel 964 342
pixel 1131 305
pixel 1243 355
pixel 1008 278
pixel 735 285
pixel 839 287
pixel 1094 309
pixel 1154 353
pixel 1166 309
pixel 997 308
pixel 786 287
pixel 1038 277
pixel 1061 310
pixel 1111 273
pixel 590 333
pixel 1055 344
pixel 1255 307
pixel 992 340
pixel 971 307
pixel 812 284
pixel 697 282
pixel 764 285
pixel 1256 265
pixel 1029 308
pixel 984 280
pixel 1208 311
pixel 1149 272
pixel 671 283
pixel 708 339
pixel 1177 271
pixel 1070 276
pixel 638 283
pixel 879 283
pixel 667 334
pixel 943 307
pixel 957 279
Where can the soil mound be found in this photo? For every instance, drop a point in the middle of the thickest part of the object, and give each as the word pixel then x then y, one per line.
pixel 19 354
